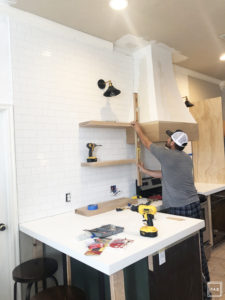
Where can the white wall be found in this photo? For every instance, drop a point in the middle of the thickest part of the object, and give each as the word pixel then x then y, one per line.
pixel 5 63
pixel 55 73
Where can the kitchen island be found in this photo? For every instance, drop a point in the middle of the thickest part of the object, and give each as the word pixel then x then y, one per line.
pixel 65 233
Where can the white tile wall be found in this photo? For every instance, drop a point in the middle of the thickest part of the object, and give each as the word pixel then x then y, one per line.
pixel 55 88
pixel 5 63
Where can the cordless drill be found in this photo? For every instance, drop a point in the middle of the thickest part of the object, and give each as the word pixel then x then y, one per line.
pixel 91 147
pixel 147 211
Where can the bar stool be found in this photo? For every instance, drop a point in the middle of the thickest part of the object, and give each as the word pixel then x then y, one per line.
pixel 32 271
pixel 61 292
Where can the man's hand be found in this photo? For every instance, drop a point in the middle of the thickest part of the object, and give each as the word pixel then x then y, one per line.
pixel 144 139
pixel 141 166
pixel 153 173
pixel 136 126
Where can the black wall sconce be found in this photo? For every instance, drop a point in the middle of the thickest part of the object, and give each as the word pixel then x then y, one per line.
pixel 111 91
pixel 187 102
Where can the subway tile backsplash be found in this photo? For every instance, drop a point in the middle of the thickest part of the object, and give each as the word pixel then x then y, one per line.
pixel 54 79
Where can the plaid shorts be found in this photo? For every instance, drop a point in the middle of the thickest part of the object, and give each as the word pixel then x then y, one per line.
pixel 191 210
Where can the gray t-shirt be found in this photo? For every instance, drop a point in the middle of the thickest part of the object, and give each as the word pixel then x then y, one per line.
pixel 177 179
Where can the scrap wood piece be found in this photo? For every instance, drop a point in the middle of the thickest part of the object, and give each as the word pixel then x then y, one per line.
pixel 175 219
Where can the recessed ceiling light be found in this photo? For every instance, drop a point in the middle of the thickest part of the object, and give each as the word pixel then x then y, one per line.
pixel 222 57
pixel 8 2
pixel 118 4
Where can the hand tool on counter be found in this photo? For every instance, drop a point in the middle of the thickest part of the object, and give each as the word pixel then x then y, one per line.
pixel 148 212
pixel 136 197
pixel 105 230
pixel 91 147
pixel 128 204
pixel 120 243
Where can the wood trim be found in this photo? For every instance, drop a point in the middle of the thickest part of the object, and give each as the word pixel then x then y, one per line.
pixel 37 249
pixel 210 220
pixel 137 139
pixel 150 263
pixel 68 270
pixel 224 128
pixel 117 289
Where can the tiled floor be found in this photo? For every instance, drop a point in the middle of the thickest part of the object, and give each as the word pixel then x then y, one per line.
pixel 216 265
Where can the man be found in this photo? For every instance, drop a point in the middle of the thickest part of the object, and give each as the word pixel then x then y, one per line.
pixel 178 191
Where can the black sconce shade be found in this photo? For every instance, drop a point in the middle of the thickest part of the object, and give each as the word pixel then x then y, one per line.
pixel 187 102
pixel 111 91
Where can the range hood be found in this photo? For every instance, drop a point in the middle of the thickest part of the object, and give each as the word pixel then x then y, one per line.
pixel 161 106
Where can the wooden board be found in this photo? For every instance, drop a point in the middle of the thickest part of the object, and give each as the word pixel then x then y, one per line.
pixel 208 151
pixel 105 206
pixel 155 131
pixel 224 128
pixel 105 124
pixel 108 163
pixel 137 139
pixel 117 289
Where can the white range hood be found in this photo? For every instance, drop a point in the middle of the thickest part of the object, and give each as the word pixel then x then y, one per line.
pixel 155 83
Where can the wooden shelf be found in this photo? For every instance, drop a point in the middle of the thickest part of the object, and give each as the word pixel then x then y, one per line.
pixel 105 124
pixel 105 206
pixel 109 163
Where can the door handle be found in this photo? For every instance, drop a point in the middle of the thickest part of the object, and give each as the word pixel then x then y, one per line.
pixel 2 227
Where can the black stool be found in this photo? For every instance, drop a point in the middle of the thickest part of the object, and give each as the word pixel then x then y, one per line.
pixel 32 271
pixel 61 292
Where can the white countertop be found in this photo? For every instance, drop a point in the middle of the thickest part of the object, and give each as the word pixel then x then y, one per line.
pixel 202 188
pixel 63 232
pixel 209 188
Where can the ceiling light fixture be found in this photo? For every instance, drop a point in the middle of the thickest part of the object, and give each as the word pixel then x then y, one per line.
pixel 111 91
pixel 118 4
pixel 8 2
pixel 222 57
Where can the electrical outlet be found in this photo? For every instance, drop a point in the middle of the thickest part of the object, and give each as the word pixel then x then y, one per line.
pixel 114 190
pixel 68 197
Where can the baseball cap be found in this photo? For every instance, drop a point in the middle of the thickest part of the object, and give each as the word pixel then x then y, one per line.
pixel 179 137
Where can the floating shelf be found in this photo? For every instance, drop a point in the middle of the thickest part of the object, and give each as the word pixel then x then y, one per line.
pixel 105 206
pixel 109 163
pixel 105 124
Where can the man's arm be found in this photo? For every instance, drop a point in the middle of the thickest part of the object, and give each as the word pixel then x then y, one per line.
pixel 153 173
pixel 144 139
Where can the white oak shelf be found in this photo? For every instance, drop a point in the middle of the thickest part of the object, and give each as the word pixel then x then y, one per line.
pixel 105 124
pixel 108 163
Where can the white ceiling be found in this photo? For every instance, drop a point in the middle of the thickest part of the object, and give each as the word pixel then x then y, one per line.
pixel 190 26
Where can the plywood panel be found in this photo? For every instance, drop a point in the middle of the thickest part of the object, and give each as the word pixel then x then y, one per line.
pixel 208 151
pixel 156 130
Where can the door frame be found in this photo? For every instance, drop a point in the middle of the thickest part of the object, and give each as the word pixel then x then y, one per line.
pixel 11 205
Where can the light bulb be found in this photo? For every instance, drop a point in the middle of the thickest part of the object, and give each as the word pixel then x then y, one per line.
pixel 222 57
pixel 118 4
pixel 8 2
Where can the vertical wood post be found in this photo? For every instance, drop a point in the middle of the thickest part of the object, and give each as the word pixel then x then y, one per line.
pixel 37 250
pixel 68 270
pixel 117 286
pixel 137 140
